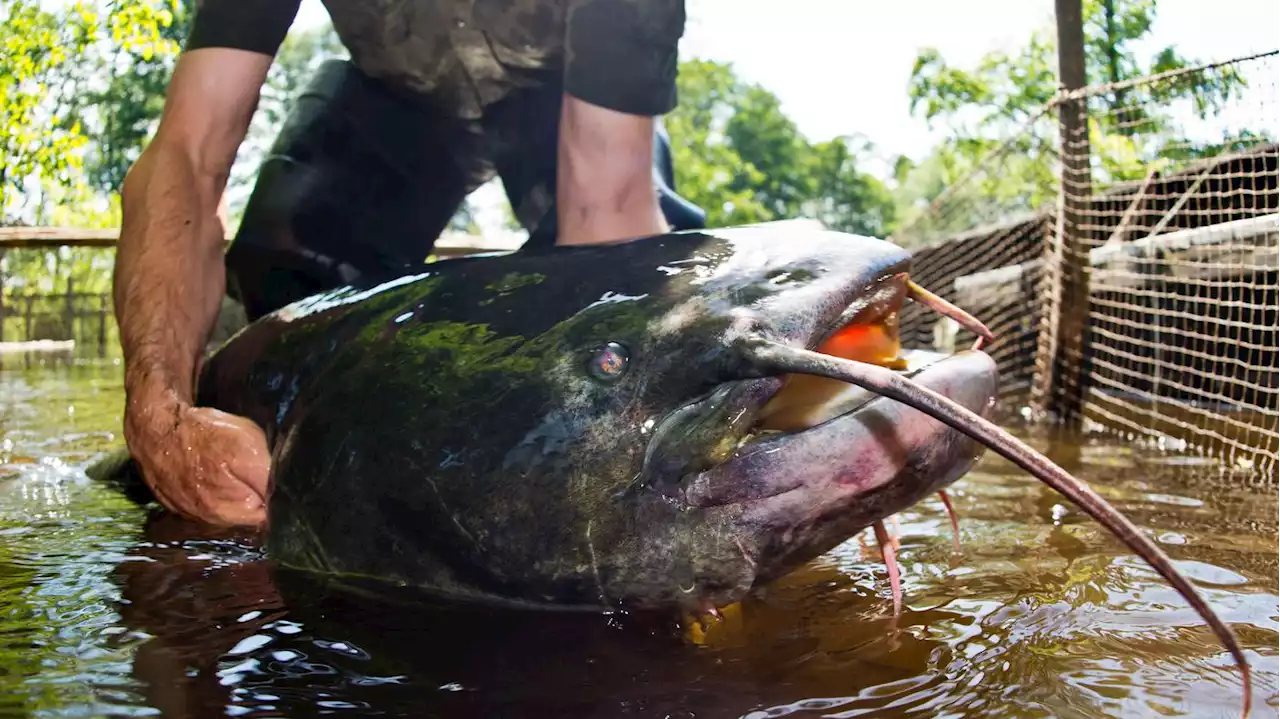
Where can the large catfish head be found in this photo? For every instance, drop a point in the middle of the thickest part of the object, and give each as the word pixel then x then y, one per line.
pixel 670 421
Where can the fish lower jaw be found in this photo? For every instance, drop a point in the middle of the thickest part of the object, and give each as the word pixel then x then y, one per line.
pixel 805 402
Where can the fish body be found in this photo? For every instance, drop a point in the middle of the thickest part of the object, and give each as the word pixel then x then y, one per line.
pixel 576 428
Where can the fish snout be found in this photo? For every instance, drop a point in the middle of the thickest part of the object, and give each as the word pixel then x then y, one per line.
pixel 885 446
pixel 806 492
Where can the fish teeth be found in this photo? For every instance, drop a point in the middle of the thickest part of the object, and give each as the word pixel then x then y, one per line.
pixel 757 435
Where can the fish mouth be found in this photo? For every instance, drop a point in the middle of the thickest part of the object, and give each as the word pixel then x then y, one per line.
pixel 812 436
pixel 786 416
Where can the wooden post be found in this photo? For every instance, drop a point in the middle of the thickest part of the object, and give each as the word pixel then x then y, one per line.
pixel 30 300
pixel 103 307
pixel 1059 385
pixel 69 311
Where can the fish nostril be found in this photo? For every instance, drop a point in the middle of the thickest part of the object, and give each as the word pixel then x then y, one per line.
pixel 745 321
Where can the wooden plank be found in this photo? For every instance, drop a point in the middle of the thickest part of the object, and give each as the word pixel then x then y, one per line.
pixel 995 285
pixel 1248 229
pixel 1227 250
pixel 37 346
pixel 54 237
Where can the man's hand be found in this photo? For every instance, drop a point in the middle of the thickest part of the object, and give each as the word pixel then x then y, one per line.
pixel 201 463
pixel 605 190
pixel 168 286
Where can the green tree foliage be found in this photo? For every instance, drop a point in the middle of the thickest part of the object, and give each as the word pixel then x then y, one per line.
pixel 129 105
pixel 464 220
pixel 36 136
pixel 65 123
pixel 708 169
pixel 743 160
pixel 999 103
pixel 57 58
pixel 844 198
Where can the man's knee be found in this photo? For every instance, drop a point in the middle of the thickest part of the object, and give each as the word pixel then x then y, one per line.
pixel 679 212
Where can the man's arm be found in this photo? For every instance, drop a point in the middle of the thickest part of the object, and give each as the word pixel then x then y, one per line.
pixel 620 71
pixel 168 285
pixel 604 176
pixel 169 277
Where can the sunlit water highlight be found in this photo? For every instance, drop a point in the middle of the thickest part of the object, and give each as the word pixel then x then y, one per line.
pixel 107 612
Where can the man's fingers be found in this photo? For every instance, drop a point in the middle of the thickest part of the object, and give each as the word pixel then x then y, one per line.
pixel 251 467
pixel 214 468
pixel 212 485
pixel 248 513
pixel 227 500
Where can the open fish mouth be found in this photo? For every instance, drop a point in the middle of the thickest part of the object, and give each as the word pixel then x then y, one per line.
pixel 867 332
pixel 860 361
pixel 797 405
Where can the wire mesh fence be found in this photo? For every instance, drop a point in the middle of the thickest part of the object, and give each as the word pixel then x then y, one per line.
pixel 81 317
pixel 993 273
pixel 56 295
pixel 1161 231
pixel 979 244
pixel 1180 225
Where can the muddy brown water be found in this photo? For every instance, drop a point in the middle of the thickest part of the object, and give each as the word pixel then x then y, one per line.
pixel 106 610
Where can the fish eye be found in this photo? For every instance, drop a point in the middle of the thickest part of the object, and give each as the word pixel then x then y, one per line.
pixel 609 362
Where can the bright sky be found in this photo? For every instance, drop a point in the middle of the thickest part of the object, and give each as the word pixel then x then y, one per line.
pixel 841 66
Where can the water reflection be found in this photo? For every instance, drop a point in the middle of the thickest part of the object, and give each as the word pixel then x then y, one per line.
pixel 106 610
pixel 232 633
pixel 1046 633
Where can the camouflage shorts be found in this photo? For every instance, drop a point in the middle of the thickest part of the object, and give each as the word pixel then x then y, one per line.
pixel 619 54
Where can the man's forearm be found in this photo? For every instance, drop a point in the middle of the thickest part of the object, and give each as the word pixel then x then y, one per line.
pixel 169 276
pixel 626 209
pixel 605 182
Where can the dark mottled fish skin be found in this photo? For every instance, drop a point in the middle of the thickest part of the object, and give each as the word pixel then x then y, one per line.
pixel 442 430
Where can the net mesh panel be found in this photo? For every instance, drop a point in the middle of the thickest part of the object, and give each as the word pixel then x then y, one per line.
pixel 994 274
pixel 1177 220
pixel 1180 224
pixel 57 294
pixel 979 245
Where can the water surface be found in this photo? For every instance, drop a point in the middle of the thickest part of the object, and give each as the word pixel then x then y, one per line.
pixel 107 609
